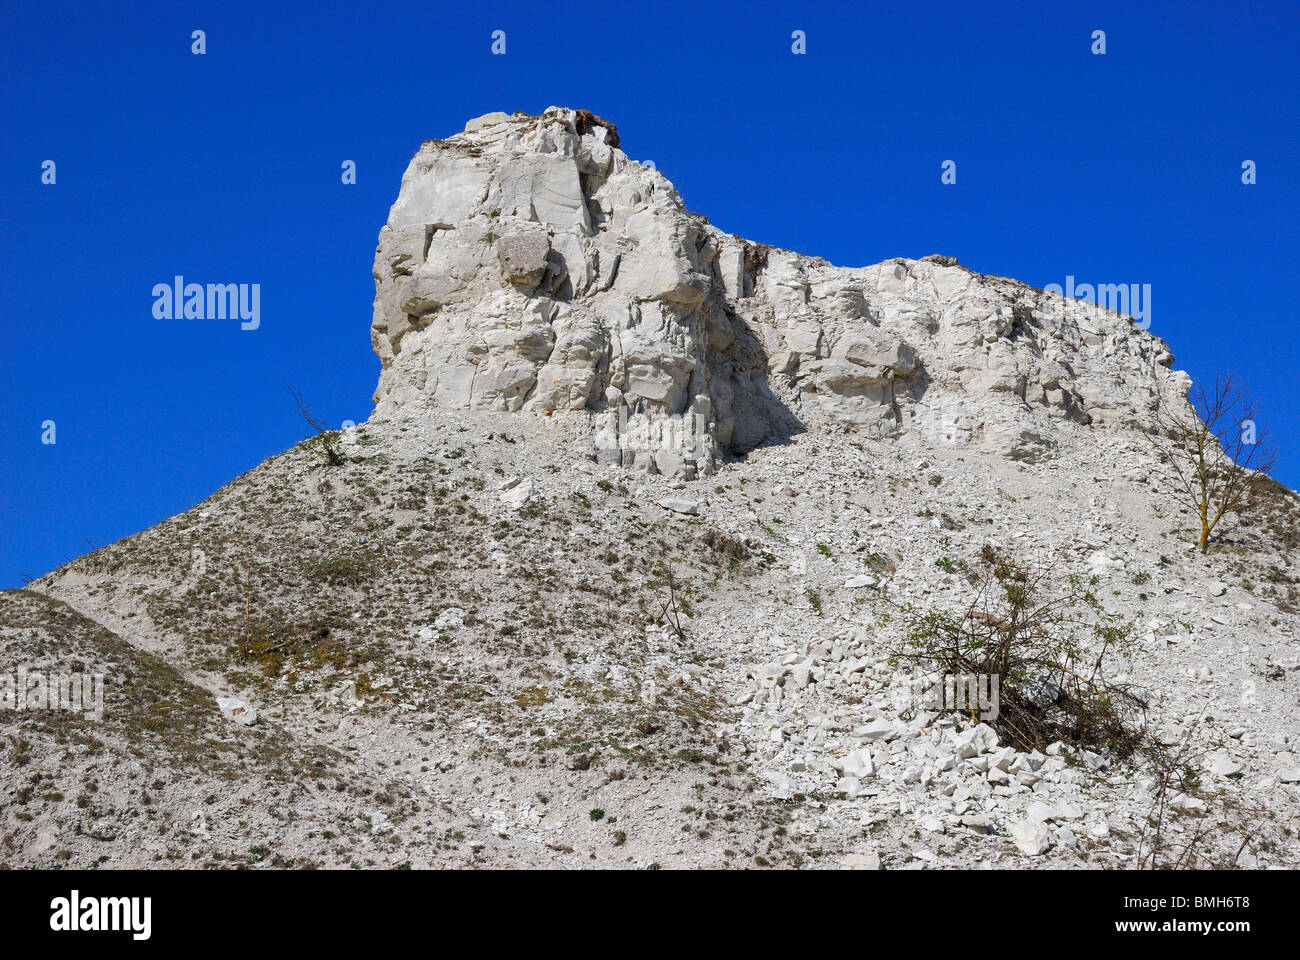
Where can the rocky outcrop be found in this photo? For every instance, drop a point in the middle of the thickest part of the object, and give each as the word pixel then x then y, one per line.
pixel 529 265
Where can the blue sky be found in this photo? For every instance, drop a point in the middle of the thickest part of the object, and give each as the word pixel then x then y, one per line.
pixel 225 167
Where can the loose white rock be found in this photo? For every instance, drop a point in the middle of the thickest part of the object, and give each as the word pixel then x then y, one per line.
pixel 232 708
pixel 681 505
pixel 1032 838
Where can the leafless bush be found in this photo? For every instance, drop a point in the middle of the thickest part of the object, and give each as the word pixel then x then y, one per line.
pixel 673 601
pixel 328 438
pixel 1196 842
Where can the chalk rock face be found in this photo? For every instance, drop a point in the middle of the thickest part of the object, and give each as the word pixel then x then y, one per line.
pixel 528 265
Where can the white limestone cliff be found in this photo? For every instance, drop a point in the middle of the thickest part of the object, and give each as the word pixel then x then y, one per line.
pixel 529 265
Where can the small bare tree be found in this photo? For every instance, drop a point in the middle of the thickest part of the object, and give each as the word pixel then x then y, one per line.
pixel 1214 448
pixel 675 601
pixel 328 437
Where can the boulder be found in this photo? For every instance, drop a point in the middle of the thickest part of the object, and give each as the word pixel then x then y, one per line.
pixel 1032 837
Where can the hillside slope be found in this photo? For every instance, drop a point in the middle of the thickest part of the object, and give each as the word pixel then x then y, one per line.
pixel 618 571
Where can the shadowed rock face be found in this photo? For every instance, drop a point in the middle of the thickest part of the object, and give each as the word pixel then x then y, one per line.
pixel 529 265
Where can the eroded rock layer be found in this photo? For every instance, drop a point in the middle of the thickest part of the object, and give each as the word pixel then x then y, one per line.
pixel 529 265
